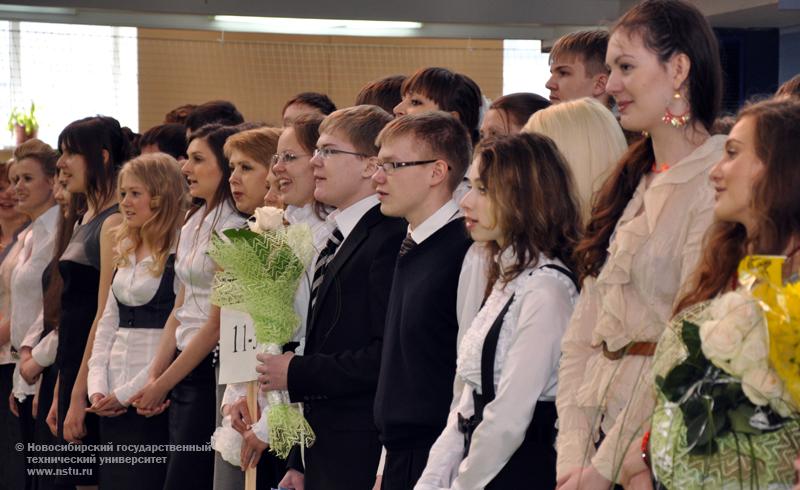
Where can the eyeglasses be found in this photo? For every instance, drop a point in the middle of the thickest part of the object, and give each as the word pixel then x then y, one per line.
pixel 390 167
pixel 326 153
pixel 286 157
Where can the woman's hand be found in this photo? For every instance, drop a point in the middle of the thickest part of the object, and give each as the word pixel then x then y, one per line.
pixel 586 479
pixel 252 447
pixel 106 406
pixel 30 370
pixel 150 400
pixel 240 415
pixel 52 417
pixel 74 422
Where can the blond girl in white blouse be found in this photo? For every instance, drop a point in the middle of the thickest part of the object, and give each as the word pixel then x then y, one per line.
pixel 142 295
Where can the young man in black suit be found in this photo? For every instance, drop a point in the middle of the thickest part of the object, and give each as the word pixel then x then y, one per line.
pixel 423 157
pixel 336 376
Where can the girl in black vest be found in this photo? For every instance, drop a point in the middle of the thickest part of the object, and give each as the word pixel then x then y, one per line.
pixel 501 434
pixel 151 193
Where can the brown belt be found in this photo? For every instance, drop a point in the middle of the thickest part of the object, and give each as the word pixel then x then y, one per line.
pixel 632 349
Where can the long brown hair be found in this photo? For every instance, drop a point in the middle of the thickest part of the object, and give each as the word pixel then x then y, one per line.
pixel 54 283
pixel 534 200
pixel 775 202
pixel 667 28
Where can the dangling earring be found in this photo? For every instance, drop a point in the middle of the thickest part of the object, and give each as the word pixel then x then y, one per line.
pixel 676 120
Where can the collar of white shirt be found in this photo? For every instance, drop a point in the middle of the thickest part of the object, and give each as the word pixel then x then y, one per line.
pixel 347 219
pixel 437 220
pixel 298 214
pixel 48 220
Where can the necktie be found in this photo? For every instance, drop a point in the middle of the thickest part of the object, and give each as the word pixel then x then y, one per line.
pixel 408 244
pixel 325 257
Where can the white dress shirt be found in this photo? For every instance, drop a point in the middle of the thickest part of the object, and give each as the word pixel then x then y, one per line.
pixel 525 370
pixel 27 307
pixel 121 356
pixel 26 280
pixel 196 269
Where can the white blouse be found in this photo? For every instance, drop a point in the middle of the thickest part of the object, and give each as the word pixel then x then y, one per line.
pixel 196 269
pixel 27 307
pixel 26 280
pixel 525 371
pixel 121 356
pixel 6 268
pixel 655 247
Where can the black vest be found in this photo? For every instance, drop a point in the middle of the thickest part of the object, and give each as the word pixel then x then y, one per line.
pixel 155 312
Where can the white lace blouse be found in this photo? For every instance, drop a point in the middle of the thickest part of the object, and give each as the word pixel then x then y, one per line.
pixel 525 371
pixel 654 249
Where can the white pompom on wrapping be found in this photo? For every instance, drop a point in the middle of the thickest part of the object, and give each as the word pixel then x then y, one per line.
pixel 227 442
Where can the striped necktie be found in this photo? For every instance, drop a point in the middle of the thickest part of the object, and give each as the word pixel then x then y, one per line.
pixel 408 244
pixel 325 258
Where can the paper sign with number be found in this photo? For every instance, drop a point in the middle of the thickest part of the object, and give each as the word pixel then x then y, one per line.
pixel 237 347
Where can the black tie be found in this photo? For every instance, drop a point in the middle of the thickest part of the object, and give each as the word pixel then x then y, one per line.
pixel 408 244
pixel 325 258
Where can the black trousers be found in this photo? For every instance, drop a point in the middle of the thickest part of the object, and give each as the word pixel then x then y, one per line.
pixel 12 461
pixel 404 467
pixel 192 415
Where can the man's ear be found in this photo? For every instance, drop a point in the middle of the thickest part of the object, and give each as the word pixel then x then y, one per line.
pixel 370 166
pixel 599 84
pixel 105 156
pixel 440 172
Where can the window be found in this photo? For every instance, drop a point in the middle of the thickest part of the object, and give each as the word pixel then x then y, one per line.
pixel 525 67
pixel 70 72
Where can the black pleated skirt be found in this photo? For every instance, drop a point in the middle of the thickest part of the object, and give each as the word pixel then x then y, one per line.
pixel 125 432
pixel 533 465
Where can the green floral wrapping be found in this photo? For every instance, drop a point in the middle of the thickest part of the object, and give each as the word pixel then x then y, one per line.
pixel 261 272
pixel 742 461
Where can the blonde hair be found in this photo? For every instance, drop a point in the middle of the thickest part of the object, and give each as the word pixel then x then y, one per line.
pixel 160 175
pixel 589 137
pixel 259 144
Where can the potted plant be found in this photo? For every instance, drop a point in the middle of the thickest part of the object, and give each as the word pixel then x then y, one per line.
pixel 23 123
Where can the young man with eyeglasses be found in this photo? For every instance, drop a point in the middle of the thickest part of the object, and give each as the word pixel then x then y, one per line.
pixel 423 158
pixel 337 374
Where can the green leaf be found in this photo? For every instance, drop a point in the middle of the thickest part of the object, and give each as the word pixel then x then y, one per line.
pixel 690 333
pixel 678 381
pixel 703 424
pixel 240 234
pixel 740 419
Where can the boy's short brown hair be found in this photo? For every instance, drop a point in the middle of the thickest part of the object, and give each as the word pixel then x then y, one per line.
pixel 360 124
pixel 589 46
pixel 443 135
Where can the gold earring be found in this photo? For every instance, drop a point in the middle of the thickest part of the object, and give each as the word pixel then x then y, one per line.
pixel 676 120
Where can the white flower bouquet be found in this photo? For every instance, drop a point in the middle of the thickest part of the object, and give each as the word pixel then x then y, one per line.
pixel 726 417
pixel 262 267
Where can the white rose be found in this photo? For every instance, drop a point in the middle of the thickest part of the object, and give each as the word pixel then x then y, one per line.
pixel 785 405
pixel 736 308
pixel 267 218
pixel 762 385
pixel 754 351
pixel 720 340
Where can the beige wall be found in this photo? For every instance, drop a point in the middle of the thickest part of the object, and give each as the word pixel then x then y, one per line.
pixel 259 72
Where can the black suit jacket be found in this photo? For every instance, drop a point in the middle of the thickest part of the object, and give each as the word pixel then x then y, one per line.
pixel 337 375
